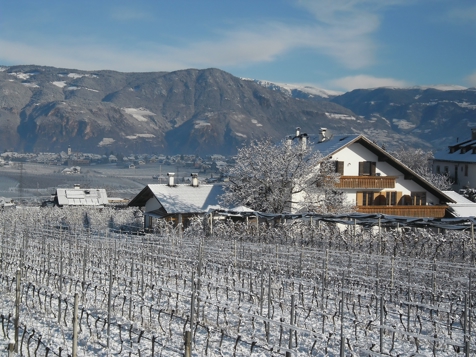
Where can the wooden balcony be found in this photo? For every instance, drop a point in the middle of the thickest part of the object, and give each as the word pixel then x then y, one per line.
pixel 407 211
pixel 367 182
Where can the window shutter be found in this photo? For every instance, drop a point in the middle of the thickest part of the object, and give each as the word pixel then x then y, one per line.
pixel 340 167
pixel 361 168
pixel 399 197
pixel 373 166
pixel 360 198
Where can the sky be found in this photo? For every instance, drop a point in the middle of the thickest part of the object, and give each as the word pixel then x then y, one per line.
pixel 331 44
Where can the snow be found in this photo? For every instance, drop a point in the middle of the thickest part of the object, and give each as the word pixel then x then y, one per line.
pixel 138 113
pixel 20 75
pixel 254 121
pixel 30 85
pixel 441 87
pixel 340 116
pixel 403 124
pixel 72 88
pixel 2 68
pixel 324 93
pixel 200 123
pixel 242 135
pixel 60 84
pixel 106 141
pixel 132 137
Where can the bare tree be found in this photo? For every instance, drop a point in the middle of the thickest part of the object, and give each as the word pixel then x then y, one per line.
pixel 420 161
pixel 282 178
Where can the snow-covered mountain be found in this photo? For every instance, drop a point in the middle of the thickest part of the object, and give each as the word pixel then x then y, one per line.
pixel 301 91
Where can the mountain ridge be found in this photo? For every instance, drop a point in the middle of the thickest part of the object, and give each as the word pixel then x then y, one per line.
pixel 204 111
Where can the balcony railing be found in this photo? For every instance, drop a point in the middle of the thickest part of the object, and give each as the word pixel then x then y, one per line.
pixel 368 182
pixel 407 211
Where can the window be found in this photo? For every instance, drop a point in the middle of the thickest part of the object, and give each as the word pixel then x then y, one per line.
pixel 446 170
pixel 391 198
pixel 466 170
pixel 368 199
pixel 367 168
pixel 339 165
pixel 419 198
pixel 438 169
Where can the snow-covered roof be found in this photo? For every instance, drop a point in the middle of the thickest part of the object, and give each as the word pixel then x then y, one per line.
pixel 457 155
pixel 463 207
pixel 81 197
pixel 333 143
pixel 181 198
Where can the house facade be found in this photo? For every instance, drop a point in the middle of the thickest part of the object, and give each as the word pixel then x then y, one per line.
pixel 176 203
pixel 459 162
pixel 374 181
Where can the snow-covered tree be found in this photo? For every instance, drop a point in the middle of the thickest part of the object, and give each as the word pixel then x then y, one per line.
pixel 279 178
pixel 420 161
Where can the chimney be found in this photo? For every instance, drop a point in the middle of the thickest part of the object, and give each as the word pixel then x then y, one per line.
pixel 303 139
pixel 298 131
pixel 322 134
pixel 77 186
pixel 473 133
pixel 171 176
pixel 194 179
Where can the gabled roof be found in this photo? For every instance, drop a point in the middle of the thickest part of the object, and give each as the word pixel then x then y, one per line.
pixel 181 198
pixel 460 152
pixel 81 197
pixel 336 143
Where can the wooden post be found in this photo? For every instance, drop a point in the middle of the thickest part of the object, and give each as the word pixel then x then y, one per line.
pixel 75 326
pixel 269 306
pixel 60 282
pixel 291 330
pixel 342 338
pixel 17 307
pixel 109 298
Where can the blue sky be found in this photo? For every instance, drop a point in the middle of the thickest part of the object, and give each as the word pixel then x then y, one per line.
pixel 331 44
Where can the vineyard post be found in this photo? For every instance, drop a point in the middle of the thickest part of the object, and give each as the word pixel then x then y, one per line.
pixel 188 333
pixel 269 306
pixel 109 297
pixel 17 308
pixel 60 290
pixel 261 291
pixel 342 338
pixel 83 283
pixel 379 235
pixel 381 324
pixel 291 322
pixel 75 326
pixel 472 242
pixel 132 289
pixel 377 283
pixel 465 326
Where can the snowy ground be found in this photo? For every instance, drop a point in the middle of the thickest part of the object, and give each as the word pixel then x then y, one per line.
pixel 248 293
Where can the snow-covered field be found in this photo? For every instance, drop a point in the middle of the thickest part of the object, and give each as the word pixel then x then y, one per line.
pixel 303 287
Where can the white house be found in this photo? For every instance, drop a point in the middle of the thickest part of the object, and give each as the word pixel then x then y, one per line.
pixel 374 181
pixel 81 197
pixel 176 203
pixel 459 162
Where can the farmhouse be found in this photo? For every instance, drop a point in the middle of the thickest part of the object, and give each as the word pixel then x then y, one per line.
pixel 176 203
pixel 459 162
pixel 81 197
pixel 373 180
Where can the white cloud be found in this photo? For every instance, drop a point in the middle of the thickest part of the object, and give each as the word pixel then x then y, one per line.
pixel 363 81
pixel 471 79
pixel 341 30
pixel 463 14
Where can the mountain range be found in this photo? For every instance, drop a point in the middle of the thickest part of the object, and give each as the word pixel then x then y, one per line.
pixel 210 111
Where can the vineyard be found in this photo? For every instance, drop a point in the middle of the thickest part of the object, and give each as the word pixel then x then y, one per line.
pixel 89 283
